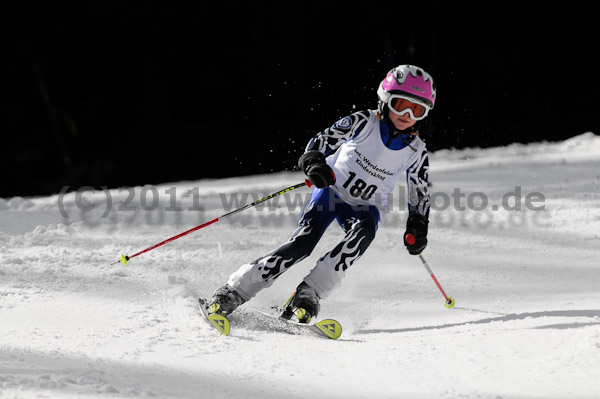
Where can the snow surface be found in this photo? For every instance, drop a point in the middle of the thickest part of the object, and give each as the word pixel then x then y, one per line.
pixel 526 283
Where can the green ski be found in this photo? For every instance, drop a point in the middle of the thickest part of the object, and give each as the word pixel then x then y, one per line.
pixel 327 328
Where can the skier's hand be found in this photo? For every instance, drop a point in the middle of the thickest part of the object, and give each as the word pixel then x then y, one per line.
pixel 415 237
pixel 316 169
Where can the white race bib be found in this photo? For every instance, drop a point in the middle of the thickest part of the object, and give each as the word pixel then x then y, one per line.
pixel 366 170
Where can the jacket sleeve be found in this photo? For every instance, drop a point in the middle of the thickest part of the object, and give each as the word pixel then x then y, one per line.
pixel 330 139
pixel 417 176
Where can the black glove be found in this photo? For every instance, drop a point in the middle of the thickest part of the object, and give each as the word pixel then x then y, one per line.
pixel 314 166
pixel 415 238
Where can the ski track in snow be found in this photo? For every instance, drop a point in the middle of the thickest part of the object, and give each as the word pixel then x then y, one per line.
pixel 526 323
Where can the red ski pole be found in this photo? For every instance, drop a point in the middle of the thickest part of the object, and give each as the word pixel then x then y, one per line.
pixel 450 302
pixel 124 258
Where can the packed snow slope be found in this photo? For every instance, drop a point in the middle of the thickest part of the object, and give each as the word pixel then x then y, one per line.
pixel 514 238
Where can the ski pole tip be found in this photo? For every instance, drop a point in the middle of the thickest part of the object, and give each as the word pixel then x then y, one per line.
pixel 124 259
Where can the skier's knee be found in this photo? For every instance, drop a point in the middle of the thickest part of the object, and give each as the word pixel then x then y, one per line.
pixel 303 246
pixel 303 241
pixel 367 228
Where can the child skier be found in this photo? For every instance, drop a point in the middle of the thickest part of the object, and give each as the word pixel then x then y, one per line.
pixel 353 165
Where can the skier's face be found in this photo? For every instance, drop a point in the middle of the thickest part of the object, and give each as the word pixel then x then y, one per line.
pixel 401 122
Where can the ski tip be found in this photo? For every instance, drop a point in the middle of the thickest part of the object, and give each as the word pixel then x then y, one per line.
pixel 329 328
pixel 220 322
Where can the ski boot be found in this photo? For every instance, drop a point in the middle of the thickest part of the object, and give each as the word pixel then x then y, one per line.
pixel 224 301
pixel 304 303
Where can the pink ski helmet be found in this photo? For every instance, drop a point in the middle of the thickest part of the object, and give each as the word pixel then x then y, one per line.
pixel 409 81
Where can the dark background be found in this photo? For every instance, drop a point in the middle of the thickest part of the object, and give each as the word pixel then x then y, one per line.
pixel 115 93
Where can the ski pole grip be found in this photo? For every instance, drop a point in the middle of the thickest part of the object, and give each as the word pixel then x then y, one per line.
pixel 410 239
pixel 310 184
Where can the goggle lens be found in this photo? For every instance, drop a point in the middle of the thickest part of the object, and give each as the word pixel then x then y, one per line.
pixel 401 104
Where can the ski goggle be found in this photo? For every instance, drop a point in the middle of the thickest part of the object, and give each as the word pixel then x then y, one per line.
pixel 401 105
